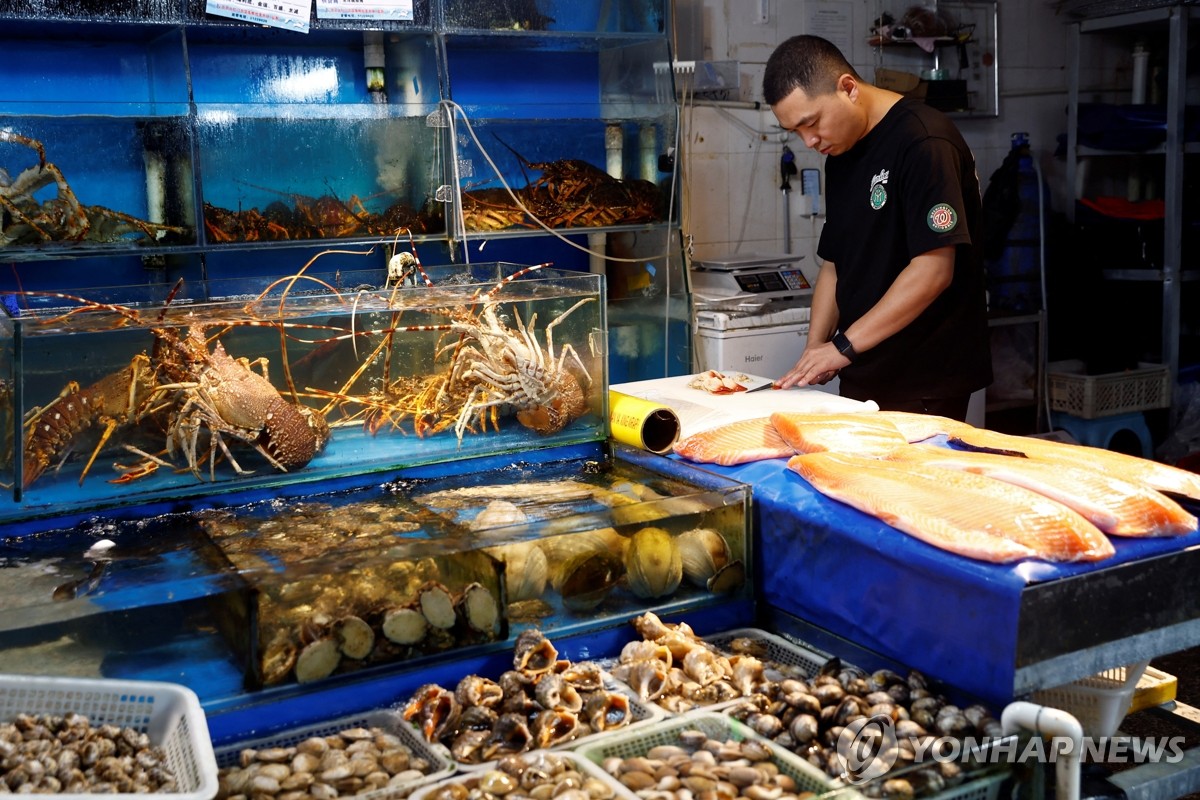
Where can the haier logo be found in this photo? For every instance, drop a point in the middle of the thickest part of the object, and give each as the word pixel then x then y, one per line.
pixel 752 359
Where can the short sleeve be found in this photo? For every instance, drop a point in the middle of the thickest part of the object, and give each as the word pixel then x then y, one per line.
pixel 934 212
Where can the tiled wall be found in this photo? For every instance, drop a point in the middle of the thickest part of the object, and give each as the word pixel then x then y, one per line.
pixel 734 203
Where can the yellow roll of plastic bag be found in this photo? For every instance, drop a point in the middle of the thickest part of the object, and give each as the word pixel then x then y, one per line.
pixel 642 423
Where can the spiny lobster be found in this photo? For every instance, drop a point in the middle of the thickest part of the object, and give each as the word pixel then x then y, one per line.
pixel 194 387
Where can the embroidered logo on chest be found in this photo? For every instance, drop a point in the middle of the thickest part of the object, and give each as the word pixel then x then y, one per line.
pixel 941 218
pixel 878 190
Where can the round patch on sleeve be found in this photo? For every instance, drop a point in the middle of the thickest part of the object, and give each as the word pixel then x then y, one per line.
pixel 942 218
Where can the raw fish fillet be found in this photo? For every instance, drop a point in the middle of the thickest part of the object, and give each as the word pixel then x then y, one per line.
pixel 1162 477
pixel 919 427
pixel 1115 506
pixel 863 434
pixel 735 443
pixel 967 514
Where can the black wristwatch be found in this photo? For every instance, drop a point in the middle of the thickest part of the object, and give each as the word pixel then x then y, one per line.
pixel 843 345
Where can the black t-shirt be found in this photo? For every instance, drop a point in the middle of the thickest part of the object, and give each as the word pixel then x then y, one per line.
pixel 909 187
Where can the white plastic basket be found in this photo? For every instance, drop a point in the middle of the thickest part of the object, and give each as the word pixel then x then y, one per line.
pixel 778 650
pixel 1099 702
pixel 1094 396
pixel 440 763
pixel 168 713
pixel 715 726
pixel 469 779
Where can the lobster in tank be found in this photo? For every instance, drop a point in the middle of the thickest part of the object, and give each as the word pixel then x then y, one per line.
pixel 494 367
pixel 185 388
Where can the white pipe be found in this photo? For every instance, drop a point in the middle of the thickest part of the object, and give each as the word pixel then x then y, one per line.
pixel 1046 721
pixel 648 152
pixel 614 148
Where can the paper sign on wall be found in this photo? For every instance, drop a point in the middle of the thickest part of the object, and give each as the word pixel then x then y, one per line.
pixel 365 9
pixel 290 14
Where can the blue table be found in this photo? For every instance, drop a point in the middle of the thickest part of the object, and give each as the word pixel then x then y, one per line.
pixel 995 631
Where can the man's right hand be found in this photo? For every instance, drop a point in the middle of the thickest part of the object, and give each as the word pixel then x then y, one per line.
pixel 818 365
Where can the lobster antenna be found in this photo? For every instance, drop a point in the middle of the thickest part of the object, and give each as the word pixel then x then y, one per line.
pixel 520 158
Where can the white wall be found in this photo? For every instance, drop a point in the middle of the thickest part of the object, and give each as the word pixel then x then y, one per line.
pixel 732 181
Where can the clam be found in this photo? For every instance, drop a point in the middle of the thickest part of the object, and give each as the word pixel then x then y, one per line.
pixel 479 608
pixel 653 563
pixel 526 569
pixel 318 660
pixel 586 578
pixel 498 514
pixel 404 625
pixel 437 605
pixel 704 551
pixel 355 637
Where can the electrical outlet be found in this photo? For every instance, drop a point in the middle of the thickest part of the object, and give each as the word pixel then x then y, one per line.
pixel 810 187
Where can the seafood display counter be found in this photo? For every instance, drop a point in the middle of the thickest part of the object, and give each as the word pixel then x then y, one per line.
pixel 843 579
pixel 230 385
pixel 265 599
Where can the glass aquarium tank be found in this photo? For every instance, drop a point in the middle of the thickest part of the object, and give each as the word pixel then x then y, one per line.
pixel 346 582
pixel 574 144
pixel 270 594
pixel 198 390
pixel 195 11
pixel 139 11
pixel 297 140
pixel 587 540
pixel 137 598
pixel 95 148
pixel 559 16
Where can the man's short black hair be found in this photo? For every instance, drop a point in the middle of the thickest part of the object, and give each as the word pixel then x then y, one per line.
pixel 809 63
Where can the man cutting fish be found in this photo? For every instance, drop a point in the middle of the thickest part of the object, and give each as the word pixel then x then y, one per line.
pixel 898 310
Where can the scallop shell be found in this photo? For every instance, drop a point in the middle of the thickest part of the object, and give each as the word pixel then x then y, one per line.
pixel 498 514
pixel 704 552
pixel 586 578
pixel 526 569
pixel 653 563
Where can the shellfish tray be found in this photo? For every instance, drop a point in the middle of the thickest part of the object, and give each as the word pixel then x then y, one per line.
pixel 439 765
pixel 641 714
pixel 769 648
pixel 781 658
pixel 552 763
pixel 638 743
pixel 169 714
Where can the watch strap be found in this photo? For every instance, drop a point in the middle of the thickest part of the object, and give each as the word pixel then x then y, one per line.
pixel 844 346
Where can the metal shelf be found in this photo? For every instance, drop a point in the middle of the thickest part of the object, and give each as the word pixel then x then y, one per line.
pixel 1168 24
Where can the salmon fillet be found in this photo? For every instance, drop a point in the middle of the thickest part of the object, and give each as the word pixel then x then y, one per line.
pixel 971 515
pixel 1114 505
pixel 735 443
pixel 919 427
pixel 1162 477
pixel 863 434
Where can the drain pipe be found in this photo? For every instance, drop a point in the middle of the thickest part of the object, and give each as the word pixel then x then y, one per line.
pixel 614 149
pixel 1045 721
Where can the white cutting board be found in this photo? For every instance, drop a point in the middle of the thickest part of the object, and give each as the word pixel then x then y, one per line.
pixel 699 411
